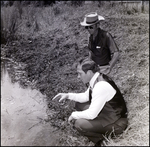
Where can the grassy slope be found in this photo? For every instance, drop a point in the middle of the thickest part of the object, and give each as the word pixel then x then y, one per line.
pixel 51 51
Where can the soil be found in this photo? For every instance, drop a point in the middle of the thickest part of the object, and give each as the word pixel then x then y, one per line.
pixel 48 64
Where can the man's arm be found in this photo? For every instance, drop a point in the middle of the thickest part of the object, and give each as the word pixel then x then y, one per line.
pixel 102 93
pixel 113 50
pixel 114 59
pixel 78 97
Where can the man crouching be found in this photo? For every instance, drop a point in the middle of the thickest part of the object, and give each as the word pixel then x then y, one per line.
pixel 101 109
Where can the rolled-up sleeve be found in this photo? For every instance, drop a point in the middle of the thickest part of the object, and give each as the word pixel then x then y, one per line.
pixel 111 44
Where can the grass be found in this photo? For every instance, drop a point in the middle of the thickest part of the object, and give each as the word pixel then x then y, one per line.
pixel 51 39
pixel 10 22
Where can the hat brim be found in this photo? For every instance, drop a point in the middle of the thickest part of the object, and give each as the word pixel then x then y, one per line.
pixel 86 24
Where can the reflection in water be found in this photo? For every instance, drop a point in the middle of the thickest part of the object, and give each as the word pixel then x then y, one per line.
pixel 15 70
pixel 23 112
pixel 3 68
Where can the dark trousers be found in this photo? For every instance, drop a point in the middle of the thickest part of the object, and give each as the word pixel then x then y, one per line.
pixel 94 130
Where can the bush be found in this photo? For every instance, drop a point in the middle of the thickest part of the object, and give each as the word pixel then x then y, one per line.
pixel 77 3
pixel 9 22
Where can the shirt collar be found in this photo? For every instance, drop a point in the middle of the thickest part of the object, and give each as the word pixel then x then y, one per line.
pixel 91 36
pixel 91 83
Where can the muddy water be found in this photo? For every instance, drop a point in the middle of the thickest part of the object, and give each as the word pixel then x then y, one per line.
pixel 23 114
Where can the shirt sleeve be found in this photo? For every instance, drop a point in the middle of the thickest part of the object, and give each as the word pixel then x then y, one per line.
pixel 111 44
pixel 102 93
pixel 79 97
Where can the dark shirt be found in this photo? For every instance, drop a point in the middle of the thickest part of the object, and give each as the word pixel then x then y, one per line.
pixel 102 47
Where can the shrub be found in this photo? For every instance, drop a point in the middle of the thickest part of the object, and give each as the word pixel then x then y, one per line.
pixel 77 3
pixel 9 22
pixel 56 10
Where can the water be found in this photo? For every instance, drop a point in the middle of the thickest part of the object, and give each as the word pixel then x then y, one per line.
pixel 23 115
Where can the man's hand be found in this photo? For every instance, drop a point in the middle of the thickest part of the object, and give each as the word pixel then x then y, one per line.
pixel 105 69
pixel 62 96
pixel 70 119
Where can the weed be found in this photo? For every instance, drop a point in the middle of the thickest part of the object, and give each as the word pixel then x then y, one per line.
pixel 56 10
pixel 8 22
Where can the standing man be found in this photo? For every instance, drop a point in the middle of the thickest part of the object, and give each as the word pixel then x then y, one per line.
pixel 102 48
pixel 101 109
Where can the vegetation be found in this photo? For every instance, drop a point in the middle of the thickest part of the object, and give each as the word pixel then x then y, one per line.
pixel 48 40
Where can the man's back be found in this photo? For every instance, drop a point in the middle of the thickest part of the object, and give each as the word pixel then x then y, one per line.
pixel 114 108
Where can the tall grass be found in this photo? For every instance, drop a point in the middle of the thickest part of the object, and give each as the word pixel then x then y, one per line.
pixel 30 20
pixel 10 22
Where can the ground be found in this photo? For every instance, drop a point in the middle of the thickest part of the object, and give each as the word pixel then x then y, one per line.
pixel 48 64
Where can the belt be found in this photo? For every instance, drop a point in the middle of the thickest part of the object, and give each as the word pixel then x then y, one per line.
pixel 104 64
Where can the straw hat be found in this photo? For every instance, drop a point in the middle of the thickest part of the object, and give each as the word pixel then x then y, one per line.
pixel 91 19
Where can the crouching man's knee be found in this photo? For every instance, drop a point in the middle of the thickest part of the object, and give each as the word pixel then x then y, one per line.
pixel 80 125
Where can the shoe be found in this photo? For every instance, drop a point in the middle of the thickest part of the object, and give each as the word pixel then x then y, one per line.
pixel 98 143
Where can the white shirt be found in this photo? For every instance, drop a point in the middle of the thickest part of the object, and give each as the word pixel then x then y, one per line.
pixel 101 93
